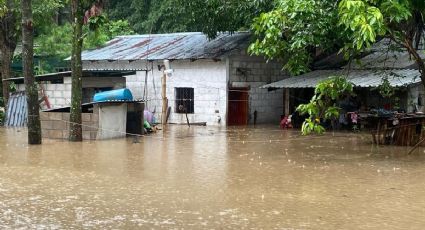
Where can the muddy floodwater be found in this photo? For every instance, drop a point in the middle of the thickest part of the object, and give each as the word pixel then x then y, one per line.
pixel 210 178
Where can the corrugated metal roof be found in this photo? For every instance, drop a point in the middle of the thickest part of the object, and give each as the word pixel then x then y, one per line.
pixel 16 115
pixel 360 78
pixel 167 46
pixel 387 60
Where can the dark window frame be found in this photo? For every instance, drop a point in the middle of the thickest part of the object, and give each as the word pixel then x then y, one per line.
pixel 185 100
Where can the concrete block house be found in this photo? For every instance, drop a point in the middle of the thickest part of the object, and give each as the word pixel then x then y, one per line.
pixel 214 81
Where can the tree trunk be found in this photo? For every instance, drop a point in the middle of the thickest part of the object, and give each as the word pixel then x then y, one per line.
pixel 75 129
pixel 6 69
pixel 418 59
pixel 34 127
pixel 9 33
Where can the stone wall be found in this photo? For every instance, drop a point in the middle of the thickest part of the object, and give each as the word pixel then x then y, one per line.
pixel 55 125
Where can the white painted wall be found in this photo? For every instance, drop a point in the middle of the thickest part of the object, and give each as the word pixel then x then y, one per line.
pixel 413 93
pixel 112 121
pixel 207 77
pixel 210 80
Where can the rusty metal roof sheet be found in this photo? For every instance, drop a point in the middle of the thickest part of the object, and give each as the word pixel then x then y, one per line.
pixel 167 46
pixel 360 78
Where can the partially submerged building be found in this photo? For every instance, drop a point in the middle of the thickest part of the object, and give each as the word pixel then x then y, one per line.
pixel 100 120
pixel 367 75
pixel 214 80
pixel 57 86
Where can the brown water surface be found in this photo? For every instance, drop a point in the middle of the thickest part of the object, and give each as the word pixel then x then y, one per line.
pixel 210 178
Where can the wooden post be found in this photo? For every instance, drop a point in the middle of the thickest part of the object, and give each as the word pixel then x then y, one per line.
pixel 286 104
pixel 164 100
pixel 166 72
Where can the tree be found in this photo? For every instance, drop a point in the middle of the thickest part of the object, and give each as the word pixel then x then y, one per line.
pixel 31 88
pixel 295 31
pixel 208 16
pixel 10 31
pixel 83 12
pixel 9 34
pixel 323 106
pixel 58 41
pixel 400 20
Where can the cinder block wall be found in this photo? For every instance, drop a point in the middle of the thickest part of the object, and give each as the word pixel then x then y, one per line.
pixel 55 125
pixel 59 94
pixel 255 73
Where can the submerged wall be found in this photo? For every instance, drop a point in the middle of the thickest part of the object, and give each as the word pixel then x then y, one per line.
pixel 206 77
pixel 55 125
pixel 254 72
pixel 112 121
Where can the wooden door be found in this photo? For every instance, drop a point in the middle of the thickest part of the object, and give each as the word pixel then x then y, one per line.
pixel 237 106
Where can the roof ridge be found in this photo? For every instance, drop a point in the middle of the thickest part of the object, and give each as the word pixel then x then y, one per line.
pixel 176 34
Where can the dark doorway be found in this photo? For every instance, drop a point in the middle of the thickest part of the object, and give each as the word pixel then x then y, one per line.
pixel 238 106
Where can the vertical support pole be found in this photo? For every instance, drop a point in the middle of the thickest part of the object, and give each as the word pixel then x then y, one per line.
pixel 286 104
pixel 164 100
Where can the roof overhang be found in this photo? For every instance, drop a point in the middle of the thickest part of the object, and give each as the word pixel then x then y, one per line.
pixel 60 75
pixel 360 78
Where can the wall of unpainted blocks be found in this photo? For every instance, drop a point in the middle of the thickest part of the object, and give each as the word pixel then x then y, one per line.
pixel 254 72
pixel 60 94
pixel 55 125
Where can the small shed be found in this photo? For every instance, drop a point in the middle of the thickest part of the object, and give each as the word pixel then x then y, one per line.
pixel 100 120
pixel 57 86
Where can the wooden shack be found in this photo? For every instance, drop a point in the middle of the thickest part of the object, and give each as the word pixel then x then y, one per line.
pixel 402 129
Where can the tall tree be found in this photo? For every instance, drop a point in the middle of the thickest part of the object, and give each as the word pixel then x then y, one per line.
pixel 9 35
pixel 403 21
pixel 10 31
pixel 82 12
pixel 208 16
pixel 294 30
pixel 31 88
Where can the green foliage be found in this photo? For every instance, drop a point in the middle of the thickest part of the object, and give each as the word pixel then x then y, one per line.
pixel 58 41
pixel 208 16
pixel 55 43
pixel 366 20
pixel 294 29
pixel 322 106
pixel 107 31
pixel 386 89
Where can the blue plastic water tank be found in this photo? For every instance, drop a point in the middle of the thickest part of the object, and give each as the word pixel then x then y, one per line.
pixel 113 95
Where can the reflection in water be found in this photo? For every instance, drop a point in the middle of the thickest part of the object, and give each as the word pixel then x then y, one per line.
pixel 204 177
